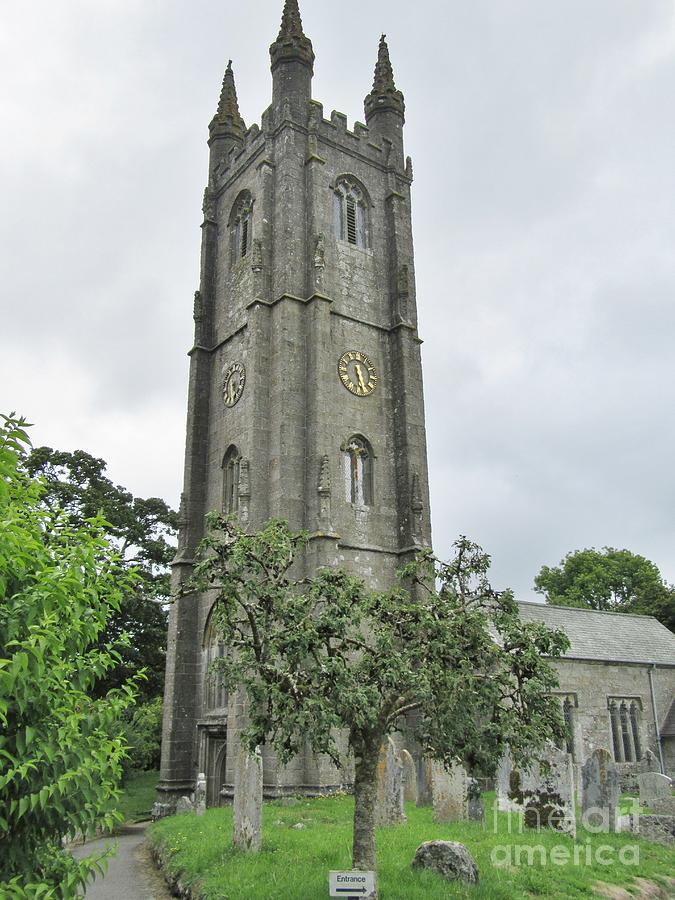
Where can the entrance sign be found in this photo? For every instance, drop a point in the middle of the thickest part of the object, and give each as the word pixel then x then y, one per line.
pixel 352 884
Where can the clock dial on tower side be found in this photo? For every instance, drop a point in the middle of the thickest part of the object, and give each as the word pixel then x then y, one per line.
pixel 357 373
pixel 234 379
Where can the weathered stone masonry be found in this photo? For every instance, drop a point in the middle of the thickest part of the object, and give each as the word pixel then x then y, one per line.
pixel 306 254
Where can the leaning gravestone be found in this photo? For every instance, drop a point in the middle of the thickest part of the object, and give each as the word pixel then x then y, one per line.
pixel 200 794
pixel 247 804
pixel 389 809
pixel 450 793
pixel 600 790
pixel 409 776
pixel 547 796
pixel 654 786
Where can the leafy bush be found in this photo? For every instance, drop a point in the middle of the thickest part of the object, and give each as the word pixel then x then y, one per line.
pixel 61 751
pixel 143 734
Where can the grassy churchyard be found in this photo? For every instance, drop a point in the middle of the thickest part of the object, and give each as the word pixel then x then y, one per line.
pixel 295 861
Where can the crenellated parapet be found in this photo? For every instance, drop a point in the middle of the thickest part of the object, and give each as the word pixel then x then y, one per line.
pixel 361 141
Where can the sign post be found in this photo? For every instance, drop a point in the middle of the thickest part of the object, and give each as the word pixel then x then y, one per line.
pixel 354 885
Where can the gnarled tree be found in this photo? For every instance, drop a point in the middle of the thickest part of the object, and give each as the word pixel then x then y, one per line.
pixel 442 650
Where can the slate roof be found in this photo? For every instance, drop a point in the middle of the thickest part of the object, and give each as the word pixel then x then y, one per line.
pixel 606 636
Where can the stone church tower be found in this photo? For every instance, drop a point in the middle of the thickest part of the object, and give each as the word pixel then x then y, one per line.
pixel 305 394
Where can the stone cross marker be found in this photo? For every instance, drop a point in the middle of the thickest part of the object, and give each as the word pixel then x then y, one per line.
pixel 200 794
pixel 247 805
pixel 476 806
pixel 409 776
pixel 654 786
pixel 547 797
pixel 450 793
pixel 389 809
pixel 600 790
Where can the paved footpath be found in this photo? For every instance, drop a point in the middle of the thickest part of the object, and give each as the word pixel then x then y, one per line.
pixel 131 873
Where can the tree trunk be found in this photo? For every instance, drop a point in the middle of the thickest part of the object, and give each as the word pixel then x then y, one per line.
pixel 363 850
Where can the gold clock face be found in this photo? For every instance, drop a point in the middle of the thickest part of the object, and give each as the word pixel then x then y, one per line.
pixel 357 373
pixel 234 379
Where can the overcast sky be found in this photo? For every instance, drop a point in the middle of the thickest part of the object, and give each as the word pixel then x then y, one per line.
pixel 542 134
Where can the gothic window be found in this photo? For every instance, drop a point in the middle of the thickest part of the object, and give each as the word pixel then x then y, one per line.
pixel 349 212
pixel 635 729
pixel 569 707
pixel 567 717
pixel 358 468
pixel 213 648
pixel 241 226
pixel 624 720
pixel 231 462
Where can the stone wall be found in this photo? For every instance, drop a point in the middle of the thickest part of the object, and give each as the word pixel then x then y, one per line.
pixel 594 683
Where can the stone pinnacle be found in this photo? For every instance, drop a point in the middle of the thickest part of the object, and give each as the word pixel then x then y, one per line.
pixel 384 94
pixel 291 43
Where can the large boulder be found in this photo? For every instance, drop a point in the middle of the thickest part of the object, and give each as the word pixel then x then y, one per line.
pixel 449 859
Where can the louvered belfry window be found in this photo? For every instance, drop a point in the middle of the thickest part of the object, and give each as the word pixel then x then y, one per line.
pixel 241 225
pixel 350 213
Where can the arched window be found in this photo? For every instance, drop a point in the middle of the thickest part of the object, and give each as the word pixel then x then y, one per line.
pixel 213 648
pixel 241 226
pixel 231 462
pixel 635 727
pixel 567 708
pixel 349 212
pixel 358 469
pixel 624 718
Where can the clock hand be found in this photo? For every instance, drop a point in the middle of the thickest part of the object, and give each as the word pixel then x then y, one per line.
pixel 359 375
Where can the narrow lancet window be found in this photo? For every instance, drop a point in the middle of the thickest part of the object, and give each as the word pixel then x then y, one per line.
pixel 213 648
pixel 231 481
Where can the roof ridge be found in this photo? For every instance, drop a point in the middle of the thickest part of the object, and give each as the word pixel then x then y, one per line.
pixel 586 609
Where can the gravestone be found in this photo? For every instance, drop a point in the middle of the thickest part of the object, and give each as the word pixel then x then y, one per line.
pixel 450 793
pixel 409 776
pixel 247 803
pixel 476 806
pixel 200 794
pixel 600 791
pixel 389 809
pixel 547 796
pixel 424 780
pixel 654 786
pixel 503 784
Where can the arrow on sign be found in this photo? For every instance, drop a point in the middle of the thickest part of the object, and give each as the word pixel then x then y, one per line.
pixel 350 890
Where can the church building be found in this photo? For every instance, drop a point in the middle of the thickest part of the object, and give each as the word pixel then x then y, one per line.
pixel 305 402
pixel 305 395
